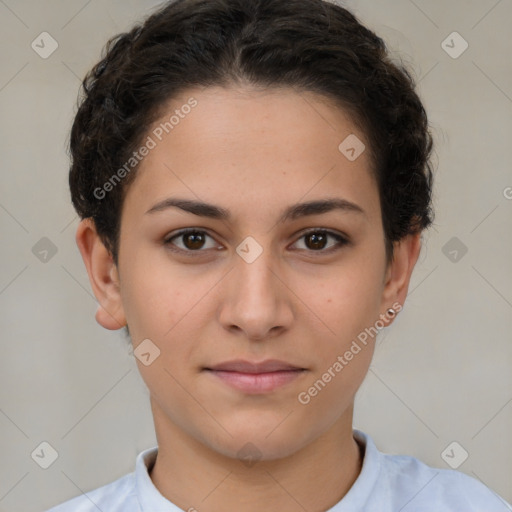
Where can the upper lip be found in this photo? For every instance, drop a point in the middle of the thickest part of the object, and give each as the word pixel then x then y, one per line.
pixel 242 366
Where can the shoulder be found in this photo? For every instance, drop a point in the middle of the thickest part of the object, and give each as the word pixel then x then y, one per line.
pixel 419 487
pixel 116 496
pixel 390 483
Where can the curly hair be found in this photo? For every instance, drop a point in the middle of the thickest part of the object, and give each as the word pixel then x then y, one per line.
pixel 308 45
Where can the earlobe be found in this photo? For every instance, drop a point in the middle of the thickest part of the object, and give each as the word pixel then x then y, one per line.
pixel 399 271
pixel 103 276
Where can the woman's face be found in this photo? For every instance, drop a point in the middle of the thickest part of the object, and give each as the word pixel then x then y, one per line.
pixel 252 284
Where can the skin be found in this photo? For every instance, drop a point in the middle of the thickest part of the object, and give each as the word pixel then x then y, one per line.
pixel 253 153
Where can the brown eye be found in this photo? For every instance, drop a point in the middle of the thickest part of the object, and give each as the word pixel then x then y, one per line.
pixel 192 240
pixel 195 241
pixel 317 241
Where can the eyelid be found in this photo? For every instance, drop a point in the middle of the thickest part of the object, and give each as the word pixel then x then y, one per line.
pixel 341 238
pixel 182 232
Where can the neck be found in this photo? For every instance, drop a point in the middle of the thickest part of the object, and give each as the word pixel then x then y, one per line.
pixel 193 476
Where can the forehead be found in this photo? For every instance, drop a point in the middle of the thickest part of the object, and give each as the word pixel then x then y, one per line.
pixel 270 146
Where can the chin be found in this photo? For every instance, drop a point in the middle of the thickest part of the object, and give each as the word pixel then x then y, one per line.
pixel 251 451
pixel 260 441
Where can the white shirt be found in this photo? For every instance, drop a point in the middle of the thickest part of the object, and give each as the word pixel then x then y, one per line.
pixel 386 483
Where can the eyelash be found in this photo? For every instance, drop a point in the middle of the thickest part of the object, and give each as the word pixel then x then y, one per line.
pixel 341 241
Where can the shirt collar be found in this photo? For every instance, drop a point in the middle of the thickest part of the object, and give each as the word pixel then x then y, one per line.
pixel 360 492
pixel 149 497
pixel 151 500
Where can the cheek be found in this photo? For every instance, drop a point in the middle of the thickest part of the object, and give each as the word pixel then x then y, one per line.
pixel 348 306
pixel 156 297
pixel 345 298
pixel 170 308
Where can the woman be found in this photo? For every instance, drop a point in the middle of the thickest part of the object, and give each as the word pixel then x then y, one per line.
pixel 254 178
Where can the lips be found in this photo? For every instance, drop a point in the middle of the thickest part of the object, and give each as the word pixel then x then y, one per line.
pixel 242 366
pixel 255 378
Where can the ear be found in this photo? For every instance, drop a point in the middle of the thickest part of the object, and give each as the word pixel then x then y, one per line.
pixel 398 273
pixel 103 276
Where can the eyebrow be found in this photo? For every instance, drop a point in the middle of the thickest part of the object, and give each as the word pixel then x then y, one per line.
pixel 293 212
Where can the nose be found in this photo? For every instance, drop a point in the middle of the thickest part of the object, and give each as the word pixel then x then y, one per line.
pixel 256 300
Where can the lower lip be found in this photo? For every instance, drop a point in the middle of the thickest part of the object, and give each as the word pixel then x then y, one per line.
pixel 254 383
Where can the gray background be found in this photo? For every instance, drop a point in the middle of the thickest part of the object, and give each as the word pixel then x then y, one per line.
pixel 441 372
